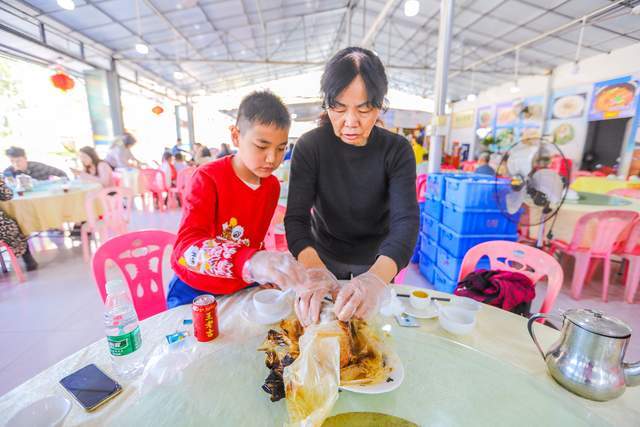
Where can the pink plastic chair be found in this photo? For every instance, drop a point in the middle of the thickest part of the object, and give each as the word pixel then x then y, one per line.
pixel 469 165
pixel 14 261
pixel 421 187
pixel 154 182
pixel 630 193
pixel 276 238
pixel 138 256
pixel 116 204
pixel 516 257
pixel 631 252
pixel 609 226
pixel 182 183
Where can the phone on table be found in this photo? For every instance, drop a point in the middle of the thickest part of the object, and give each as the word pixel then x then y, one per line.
pixel 91 387
pixel 407 321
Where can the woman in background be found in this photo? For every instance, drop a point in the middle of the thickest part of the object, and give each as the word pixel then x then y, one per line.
pixel 94 169
pixel 10 231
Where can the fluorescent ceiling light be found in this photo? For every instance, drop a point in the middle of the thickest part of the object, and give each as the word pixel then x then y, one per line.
pixel 515 88
pixel 471 97
pixel 411 7
pixel 178 75
pixel 67 4
pixel 142 48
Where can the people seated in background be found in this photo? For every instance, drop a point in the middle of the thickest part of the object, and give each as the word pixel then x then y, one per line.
pixel 225 150
pixel 10 232
pixel 94 169
pixel 36 170
pixel 176 148
pixel 178 162
pixel 418 149
pixel 170 172
pixel 205 156
pixel 196 151
pixel 423 167
pixel 483 164
pixel 217 250
pixel 120 155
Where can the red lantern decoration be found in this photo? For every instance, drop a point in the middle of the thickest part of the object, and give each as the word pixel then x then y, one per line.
pixel 62 81
pixel 157 110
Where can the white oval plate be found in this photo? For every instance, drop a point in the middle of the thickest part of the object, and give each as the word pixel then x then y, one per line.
pixel 428 313
pixel 250 313
pixel 396 374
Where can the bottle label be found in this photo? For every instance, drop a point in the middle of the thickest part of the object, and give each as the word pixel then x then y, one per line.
pixel 121 345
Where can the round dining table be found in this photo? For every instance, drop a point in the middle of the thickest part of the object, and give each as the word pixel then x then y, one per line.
pixel 564 223
pixel 601 184
pixel 48 206
pixel 491 377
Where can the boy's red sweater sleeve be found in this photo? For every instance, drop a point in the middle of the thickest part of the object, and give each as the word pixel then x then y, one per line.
pixel 197 248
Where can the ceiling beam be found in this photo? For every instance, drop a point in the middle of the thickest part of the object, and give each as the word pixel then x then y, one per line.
pixel 367 40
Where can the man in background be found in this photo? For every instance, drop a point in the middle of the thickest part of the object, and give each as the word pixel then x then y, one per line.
pixel 483 164
pixel 36 170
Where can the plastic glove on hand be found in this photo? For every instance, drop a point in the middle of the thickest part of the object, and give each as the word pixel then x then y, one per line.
pixel 279 268
pixel 361 297
pixel 320 282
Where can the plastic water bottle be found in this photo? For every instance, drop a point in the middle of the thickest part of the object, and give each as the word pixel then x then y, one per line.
pixel 123 331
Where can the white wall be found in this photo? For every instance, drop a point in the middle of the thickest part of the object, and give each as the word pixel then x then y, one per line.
pixel 618 63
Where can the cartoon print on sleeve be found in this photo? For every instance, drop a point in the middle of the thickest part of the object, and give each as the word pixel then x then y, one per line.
pixel 215 257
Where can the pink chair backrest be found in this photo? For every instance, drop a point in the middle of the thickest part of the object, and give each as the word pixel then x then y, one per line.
pixel 421 187
pixel 516 257
pixel 270 241
pixel 469 165
pixel 138 256
pixel 115 203
pixel 608 227
pixel 154 180
pixel 631 193
pixel 634 238
pixel 184 178
pixel 562 166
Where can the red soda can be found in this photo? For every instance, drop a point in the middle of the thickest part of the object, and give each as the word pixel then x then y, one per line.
pixel 205 317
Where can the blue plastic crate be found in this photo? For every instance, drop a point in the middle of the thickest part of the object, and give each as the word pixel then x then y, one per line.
pixel 442 283
pixel 450 265
pixel 433 208
pixel 436 183
pixel 421 206
pixel 476 191
pixel 426 267
pixel 478 221
pixel 416 251
pixel 430 227
pixel 458 244
pixel 428 246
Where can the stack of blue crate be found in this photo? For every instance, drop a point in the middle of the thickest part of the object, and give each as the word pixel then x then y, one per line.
pixel 461 211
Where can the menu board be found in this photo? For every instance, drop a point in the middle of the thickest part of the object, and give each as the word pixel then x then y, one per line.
pixel 614 99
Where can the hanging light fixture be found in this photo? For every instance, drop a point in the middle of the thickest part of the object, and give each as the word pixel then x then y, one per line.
pixel 157 110
pixel 411 7
pixel 515 88
pixel 575 68
pixel 62 81
pixel 472 96
pixel 141 47
pixel 178 75
pixel 67 4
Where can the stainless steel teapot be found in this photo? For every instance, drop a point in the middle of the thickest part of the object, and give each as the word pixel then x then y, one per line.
pixel 588 357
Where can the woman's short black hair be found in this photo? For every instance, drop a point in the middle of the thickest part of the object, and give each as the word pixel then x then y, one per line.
pixel 345 66
pixel 265 108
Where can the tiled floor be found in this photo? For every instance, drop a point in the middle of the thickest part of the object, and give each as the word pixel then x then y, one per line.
pixel 58 310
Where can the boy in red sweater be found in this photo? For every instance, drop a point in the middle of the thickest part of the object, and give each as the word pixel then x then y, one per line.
pixel 228 209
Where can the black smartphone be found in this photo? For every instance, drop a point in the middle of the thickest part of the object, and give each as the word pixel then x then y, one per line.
pixel 91 387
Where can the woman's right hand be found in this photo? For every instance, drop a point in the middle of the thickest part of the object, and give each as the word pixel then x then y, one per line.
pixel 320 282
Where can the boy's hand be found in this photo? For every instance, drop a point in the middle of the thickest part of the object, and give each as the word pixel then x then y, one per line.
pixel 309 298
pixel 274 267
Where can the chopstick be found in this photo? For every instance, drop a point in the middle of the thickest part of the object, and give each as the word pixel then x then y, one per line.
pixel 432 298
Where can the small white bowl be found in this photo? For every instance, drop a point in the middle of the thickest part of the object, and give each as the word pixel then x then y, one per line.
pixel 456 320
pixel 47 412
pixel 419 302
pixel 466 304
pixel 267 304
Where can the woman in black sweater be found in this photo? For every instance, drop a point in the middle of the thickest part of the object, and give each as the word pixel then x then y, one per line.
pixel 352 212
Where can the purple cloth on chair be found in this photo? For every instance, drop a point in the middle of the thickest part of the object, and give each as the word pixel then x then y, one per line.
pixel 505 289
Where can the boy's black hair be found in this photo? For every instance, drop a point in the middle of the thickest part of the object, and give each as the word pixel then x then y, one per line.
pixel 178 156
pixel 15 152
pixel 265 108
pixel 345 66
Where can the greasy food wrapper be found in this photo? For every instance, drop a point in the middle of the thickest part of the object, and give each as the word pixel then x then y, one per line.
pixel 312 380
